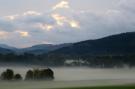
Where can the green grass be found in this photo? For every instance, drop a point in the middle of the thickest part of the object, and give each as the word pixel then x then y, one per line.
pixel 106 87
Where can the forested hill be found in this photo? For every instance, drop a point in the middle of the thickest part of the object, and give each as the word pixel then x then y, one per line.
pixel 5 51
pixel 116 44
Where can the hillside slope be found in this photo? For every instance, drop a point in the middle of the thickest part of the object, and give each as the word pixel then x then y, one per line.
pixel 116 44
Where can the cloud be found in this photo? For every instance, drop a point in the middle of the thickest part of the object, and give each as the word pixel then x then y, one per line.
pixel 3 35
pixel 6 25
pixel 62 4
pixel 126 5
pixel 66 25
pixel 62 20
pixel 11 17
pixel 44 26
pixel 23 33
pixel 74 24
pixel 31 13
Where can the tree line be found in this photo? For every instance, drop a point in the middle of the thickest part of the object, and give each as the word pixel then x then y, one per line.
pixel 35 74
pixel 102 61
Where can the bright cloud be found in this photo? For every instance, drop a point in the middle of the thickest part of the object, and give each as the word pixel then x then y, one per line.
pixel 62 4
pixel 59 19
pixel 46 27
pixel 12 17
pixel 31 13
pixel 23 33
pixel 74 24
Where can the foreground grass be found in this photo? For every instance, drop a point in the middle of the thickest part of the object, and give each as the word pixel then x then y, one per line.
pixel 106 87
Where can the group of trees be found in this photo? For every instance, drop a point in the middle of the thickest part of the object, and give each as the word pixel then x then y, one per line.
pixel 36 74
pixel 42 74
pixel 9 75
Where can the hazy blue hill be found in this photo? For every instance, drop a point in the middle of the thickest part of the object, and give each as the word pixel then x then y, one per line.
pixel 42 48
pixel 5 51
pixel 36 49
pixel 116 44
pixel 7 47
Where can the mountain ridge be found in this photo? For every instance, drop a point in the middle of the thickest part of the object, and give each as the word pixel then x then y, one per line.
pixel 119 43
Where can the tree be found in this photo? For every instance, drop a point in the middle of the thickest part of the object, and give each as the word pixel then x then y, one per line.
pixel 29 75
pixel 3 76
pixel 7 75
pixel 36 74
pixel 17 77
pixel 47 74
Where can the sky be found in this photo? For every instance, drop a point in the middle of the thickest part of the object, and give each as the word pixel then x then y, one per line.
pixel 24 23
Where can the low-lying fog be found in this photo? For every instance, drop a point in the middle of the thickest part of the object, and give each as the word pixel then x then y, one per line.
pixel 73 74
pixel 72 77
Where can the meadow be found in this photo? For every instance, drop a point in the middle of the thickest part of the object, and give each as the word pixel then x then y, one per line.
pixel 106 87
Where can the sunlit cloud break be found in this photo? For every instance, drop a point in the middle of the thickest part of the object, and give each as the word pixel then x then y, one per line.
pixel 74 24
pixel 46 27
pixel 23 33
pixel 61 20
pixel 62 4
pixel 11 17
pixel 27 13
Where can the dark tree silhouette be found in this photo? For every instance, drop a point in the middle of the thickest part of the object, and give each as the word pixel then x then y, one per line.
pixel 17 77
pixel 29 75
pixel 7 75
pixel 47 74
pixel 43 74
pixel 3 76
pixel 36 74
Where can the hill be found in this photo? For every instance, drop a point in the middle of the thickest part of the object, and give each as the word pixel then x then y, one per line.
pixel 116 44
pixel 5 51
pixel 41 48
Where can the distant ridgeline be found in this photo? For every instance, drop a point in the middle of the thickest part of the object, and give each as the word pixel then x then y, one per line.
pixel 112 51
pixel 36 74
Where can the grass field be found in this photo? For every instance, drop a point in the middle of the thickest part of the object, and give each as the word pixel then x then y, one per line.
pixel 104 84
pixel 106 87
